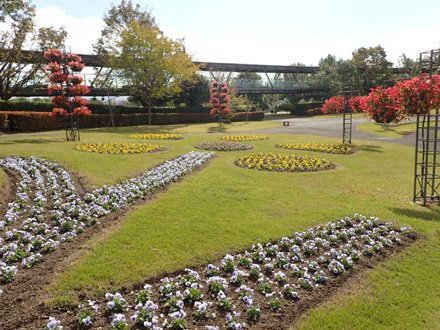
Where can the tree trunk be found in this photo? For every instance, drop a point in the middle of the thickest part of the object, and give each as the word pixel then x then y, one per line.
pixel 149 111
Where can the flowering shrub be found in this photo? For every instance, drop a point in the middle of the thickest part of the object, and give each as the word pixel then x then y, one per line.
pixel 383 105
pixel 419 94
pixel 302 263
pixel 223 146
pixel 65 84
pixel 244 137
pixel 47 211
pixel 357 103
pixel 151 136
pixel 283 162
pixel 335 104
pixel 319 147
pixel 219 99
pixel 118 148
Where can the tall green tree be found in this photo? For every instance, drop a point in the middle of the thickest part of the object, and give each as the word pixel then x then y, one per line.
pixel 19 34
pixel 371 68
pixel 153 65
pixel 195 92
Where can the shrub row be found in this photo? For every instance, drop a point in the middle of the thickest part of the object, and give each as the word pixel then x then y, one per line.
pixel 99 108
pixel 38 121
pixel 300 109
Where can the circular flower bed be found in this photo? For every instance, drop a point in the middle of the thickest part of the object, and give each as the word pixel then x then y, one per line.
pixel 224 146
pixel 157 136
pixel 319 147
pixel 283 163
pixel 244 137
pixel 118 148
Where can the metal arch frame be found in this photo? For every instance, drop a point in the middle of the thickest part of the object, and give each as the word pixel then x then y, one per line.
pixel 427 144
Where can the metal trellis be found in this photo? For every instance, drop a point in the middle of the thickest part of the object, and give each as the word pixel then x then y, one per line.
pixel 427 146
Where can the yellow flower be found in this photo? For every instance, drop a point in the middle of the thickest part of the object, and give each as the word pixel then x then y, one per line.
pixel 118 148
pixel 283 162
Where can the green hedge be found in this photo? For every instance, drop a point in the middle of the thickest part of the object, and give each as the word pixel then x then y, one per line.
pixel 301 109
pixel 21 121
pixel 100 108
pixel 97 108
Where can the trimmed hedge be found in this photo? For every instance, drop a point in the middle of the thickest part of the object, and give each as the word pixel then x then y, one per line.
pixel 97 108
pixel 100 108
pixel 300 109
pixel 22 121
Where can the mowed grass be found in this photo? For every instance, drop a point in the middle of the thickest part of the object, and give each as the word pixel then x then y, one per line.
pixel 393 132
pixel 223 208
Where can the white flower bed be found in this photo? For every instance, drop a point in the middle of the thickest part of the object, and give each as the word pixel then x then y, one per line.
pixel 234 292
pixel 46 188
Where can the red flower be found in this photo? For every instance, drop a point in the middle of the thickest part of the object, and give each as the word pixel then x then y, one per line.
pixel 76 80
pixel 56 90
pixel 60 101
pixel 335 104
pixel 76 66
pixel 73 57
pixel 82 111
pixel 58 112
pixel 383 105
pixel 58 77
pixel 79 90
pixel 78 101
pixel 53 55
pixel 53 67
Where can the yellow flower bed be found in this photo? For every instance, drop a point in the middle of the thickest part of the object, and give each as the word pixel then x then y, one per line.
pixel 118 148
pixel 152 136
pixel 244 137
pixel 319 147
pixel 283 162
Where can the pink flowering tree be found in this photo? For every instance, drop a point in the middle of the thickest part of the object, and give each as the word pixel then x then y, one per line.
pixel 220 101
pixel 66 88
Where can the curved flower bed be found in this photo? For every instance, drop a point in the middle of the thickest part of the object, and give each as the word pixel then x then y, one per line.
pixel 152 136
pixel 239 138
pixel 283 163
pixel 224 146
pixel 319 147
pixel 255 285
pixel 118 148
pixel 47 210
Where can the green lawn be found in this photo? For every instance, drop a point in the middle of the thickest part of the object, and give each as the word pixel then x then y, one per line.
pixel 393 132
pixel 223 208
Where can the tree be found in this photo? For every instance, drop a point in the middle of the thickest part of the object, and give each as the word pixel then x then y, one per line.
pixel 195 92
pixel 411 66
pixel 15 72
pixel 371 68
pixel 117 20
pixel 153 65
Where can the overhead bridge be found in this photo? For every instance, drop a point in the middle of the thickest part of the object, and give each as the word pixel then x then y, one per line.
pixel 101 78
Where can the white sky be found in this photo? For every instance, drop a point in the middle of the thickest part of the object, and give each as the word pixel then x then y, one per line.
pixel 279 32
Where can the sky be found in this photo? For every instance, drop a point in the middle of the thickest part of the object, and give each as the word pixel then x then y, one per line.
pixel 276 32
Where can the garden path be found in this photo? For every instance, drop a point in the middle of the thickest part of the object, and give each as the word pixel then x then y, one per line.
pixel 331 126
